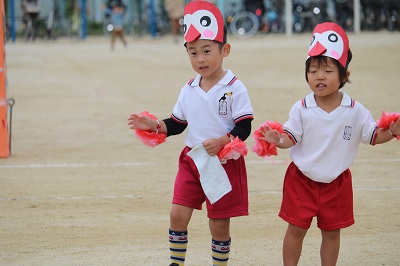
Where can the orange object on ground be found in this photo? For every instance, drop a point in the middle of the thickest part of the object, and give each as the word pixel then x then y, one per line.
pixel 4 141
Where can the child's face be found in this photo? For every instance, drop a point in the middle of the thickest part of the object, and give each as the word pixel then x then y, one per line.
pixel 206 56
pixel 323 78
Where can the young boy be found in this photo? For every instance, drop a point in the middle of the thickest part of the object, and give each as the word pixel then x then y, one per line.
pixel 116 13
pixel 323 131
pixel 215 106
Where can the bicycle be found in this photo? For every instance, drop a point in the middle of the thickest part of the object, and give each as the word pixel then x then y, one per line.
pixel 142 24
pixel 31 28
pixel 273 20
pixel 56 24
pixel 242 23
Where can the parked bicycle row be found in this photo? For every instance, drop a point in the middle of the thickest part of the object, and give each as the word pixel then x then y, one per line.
pixel 266 16
pixel 248 17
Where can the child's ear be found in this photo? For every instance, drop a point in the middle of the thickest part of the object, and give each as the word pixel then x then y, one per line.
pixel 347 76
pixel 226 49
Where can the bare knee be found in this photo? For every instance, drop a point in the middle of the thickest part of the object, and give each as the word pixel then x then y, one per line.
pixel 331 236
pixel 180 217
pixel 220 229
pixel 296 232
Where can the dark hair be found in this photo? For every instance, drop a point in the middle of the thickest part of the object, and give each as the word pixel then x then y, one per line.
pixel 349 57
pixel 225 34
pixel 324 59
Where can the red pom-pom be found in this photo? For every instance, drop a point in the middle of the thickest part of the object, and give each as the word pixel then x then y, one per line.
pixel 387 118
pixel 150 138
pixel 233 150
pixel 263 148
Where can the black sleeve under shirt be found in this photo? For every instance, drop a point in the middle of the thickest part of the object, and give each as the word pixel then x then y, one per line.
pixel 241 130
pixel 173 127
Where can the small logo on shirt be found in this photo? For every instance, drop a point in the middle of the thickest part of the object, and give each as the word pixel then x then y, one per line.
pixel 223 105
pixel 347 132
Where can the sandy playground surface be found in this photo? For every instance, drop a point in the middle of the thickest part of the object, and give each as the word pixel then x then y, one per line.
pixel 80 189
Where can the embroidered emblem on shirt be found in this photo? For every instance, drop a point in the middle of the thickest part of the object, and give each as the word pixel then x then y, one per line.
pixel 223 105
pixel 347 132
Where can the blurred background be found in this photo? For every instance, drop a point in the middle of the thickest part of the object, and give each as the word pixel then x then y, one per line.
pixel 244 18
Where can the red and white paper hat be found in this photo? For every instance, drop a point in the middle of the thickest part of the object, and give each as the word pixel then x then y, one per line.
pixel 203 20
pixel 329 39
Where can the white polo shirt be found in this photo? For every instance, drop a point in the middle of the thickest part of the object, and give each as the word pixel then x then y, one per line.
pixel 326 144
pixel 214 113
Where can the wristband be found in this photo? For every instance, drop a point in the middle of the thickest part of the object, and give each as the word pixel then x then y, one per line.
pixel 158 126
pixel 390 132
pixel 231 138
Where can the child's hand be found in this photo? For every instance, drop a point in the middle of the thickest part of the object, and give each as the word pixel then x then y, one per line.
pixel 266 137
pixel 394 127
pixel 141 122
pixel 270 135
pixel 145 127
pixel 213 146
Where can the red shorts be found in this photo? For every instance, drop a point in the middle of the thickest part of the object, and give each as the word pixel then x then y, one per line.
pixel 303 198
pixel 188 191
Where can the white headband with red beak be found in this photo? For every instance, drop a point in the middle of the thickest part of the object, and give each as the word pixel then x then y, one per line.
pixel 329 39
pixel 203 20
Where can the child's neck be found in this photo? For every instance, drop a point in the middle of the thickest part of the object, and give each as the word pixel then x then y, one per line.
pixel 206 83
pixel 330 102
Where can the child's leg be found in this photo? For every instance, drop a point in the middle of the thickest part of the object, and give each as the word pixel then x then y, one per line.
pixel 330 247
pixel 219 229
pixel 113 36
pixel 221 240
pixel 180 217
pixel 177 246
pixel 121 35
pixel 178 235
pixel 293 244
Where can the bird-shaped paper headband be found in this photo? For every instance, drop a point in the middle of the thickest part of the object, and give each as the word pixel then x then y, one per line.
pixel 329 39
pixel 203 20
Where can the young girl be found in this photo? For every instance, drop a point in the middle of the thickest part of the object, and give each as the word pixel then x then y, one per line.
pixel 323 131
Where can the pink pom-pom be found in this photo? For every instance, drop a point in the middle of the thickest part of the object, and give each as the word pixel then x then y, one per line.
pixel 233 150
pixel 263 148
pixel 150 138
pixel 387 118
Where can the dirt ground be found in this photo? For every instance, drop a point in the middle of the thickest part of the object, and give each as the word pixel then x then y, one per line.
pixel 80 189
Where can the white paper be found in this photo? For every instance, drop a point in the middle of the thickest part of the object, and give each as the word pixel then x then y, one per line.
pixel 213 178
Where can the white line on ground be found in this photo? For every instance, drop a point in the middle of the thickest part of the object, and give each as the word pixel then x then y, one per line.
pixel 155 196
pixel 270 160
pixel 120 164
pixel 67 165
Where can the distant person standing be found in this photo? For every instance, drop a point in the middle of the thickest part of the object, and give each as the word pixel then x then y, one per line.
pixel 111 3
pixel 174 9
pixel 117 20
pixel 30 10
